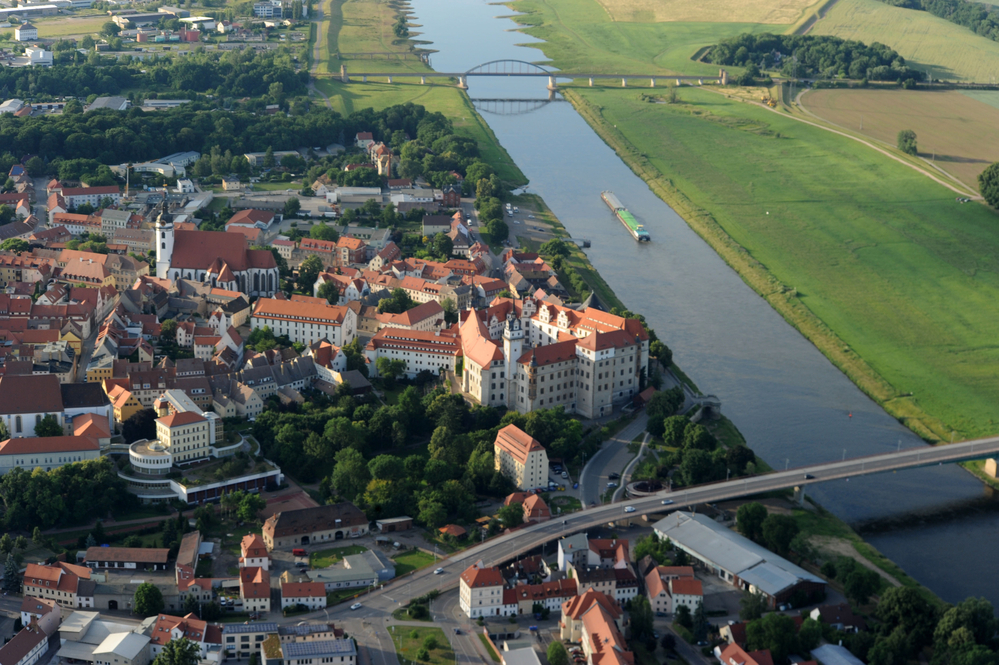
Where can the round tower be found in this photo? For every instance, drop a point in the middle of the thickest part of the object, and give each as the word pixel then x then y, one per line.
pixel 164 242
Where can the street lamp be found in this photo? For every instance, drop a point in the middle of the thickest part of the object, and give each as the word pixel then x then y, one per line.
pixel 786 463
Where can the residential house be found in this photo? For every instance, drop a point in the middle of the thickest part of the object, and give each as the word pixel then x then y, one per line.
pixel 309 594
pixel 521 458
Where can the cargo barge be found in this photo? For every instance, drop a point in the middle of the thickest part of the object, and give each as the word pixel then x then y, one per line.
pixel 637 231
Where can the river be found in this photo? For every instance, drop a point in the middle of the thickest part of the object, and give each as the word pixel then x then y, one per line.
pixel 792 405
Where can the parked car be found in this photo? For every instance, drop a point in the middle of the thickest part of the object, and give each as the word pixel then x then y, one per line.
pixel 575 486
pixel 355 606
pixel 611 484
pixel 439 571
pixel 565 474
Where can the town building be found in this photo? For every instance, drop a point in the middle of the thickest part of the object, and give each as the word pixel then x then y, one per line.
pixel 255 589
pixel 738 560
pixel 435 352
pixel 25 32
pixel 240 640
pixel 26 647
pixel 128 558
pixel 294 528
pixel 216 257
pixel 46 453
pixel 66 583
pixel 308 594
pixel 186 436
pixel 254 552
pixel 44 612
pixel 206 636
pixel 481 591
pixel 86 638
pixel 735 654
pixel 77 196
pixel 306 321
pixel 521 458
pixel 312 652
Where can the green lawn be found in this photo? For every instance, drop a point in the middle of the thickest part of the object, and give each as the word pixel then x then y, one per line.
pixel 408 641
pixel 277 186
pixel 905 277
pixel 326 558
pixel 411 560
pixel 489 647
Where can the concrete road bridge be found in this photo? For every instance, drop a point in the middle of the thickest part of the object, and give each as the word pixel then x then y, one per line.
pixel 521 68
pixel 508 546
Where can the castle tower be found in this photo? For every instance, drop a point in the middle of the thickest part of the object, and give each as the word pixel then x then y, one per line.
pixel 513 348
pixel 164 242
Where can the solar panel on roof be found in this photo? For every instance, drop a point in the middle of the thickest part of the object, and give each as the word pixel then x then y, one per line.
pixel 250 628
pixel 317 648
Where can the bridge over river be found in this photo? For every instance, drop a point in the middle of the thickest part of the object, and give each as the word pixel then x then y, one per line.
pixel 521 68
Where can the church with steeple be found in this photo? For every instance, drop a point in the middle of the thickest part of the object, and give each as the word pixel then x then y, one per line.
pixel 214 257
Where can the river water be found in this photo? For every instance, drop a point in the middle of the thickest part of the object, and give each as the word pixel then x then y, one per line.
pixel 791 404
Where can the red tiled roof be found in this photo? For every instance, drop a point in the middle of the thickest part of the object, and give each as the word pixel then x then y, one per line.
pixel 478 576
pixel 182 418
pixel 303 590
pixel 517 442
pixel 197 250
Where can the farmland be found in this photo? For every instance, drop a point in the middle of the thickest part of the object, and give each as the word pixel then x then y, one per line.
pixel 945 50
pixel 960 133
pixel 750 11
pixel 880 267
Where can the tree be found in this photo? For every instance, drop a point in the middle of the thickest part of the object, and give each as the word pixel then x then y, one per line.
pixel 390 369
pixel 668 642
pixel 323 231
pixel 110 29
pixel 974 615
pixel 512 515
pixel 330 292
pixel 168 329
pixel 249 506
pixel 148 601
pixel 682 617
pixel 752 606
pixel 4 434
pixel 749 520
pixel 90 541
pixel 905 607
pixel 269 157
pixel 350 473
pixel 48 426
pixel 557 655
pixel 696 467
pixel 178 652
pixel 809 634
pixel 140 425
pixel 11 576
pixel 308 272
pixel 661 352
pixel 860 584
pixel 6 543
pixel 663 404
pixel 988 184
pixel 442 246
pixel 641 618
pixel 36 536
pixel 778 531
pixel 20 543
pixel 292 206
pixel 450 312
pixel 907 141
pixel 15 245
pixel 776 632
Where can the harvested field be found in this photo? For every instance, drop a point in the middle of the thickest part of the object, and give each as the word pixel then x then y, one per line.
pixel 945 50
pixel 781 12
pixel 959 132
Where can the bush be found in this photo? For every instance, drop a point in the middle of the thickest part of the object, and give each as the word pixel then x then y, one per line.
pixel 423 654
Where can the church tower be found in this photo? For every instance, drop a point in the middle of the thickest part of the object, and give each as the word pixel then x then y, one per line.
pixel 513 348
pixel 164 242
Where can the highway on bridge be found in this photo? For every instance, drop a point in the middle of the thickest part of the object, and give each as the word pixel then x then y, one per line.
pixel 507 546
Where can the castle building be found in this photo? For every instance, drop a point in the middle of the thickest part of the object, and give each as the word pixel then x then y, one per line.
pixel 214 257
pixel 528 354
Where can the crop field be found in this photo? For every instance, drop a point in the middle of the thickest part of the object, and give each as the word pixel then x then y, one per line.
pixel 580 36
pixel 904 275
pixel 947 51
pixel 721 11
pixel 960 133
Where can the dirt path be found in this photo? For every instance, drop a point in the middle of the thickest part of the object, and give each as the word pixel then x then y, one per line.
pixel 841 547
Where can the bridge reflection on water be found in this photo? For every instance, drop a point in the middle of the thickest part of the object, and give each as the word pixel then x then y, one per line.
pixel 509 106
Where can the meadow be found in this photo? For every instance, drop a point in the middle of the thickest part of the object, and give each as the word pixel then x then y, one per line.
pixel 748 11
pixel 887 264
pixel 66 26
pixel 957 131
pixel 946 51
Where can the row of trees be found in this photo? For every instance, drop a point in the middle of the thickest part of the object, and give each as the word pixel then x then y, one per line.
pixel 813 56
pixel 982 19
pixel 235 73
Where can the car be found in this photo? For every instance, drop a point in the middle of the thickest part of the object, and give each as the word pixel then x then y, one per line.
pixel 439 571
pixel 530 216
pixel 629 509
pixel 516 221
pixel 561 488
pixel 614 476
pixel 457 631
pixel 355 606
pixel 301 564
pixel 655 634
pixel 565 474
pixel 575 486
pixel 660 614
pixel 666 502
pixel 611 484
pixel 809 476
pixel 702 643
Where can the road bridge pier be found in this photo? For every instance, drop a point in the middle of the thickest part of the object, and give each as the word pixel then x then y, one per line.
pixel 552 83
pixel 624 82
pixel 423 80
pixel 591 81
pixel 343 74
pixel 463 82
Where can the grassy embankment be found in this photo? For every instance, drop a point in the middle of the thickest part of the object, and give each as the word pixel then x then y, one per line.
pixel 409 640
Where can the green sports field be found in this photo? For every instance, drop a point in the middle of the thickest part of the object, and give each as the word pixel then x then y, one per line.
pixel 905 276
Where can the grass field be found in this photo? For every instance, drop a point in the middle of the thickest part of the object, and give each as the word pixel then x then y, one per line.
pixel 748 11
pixel 579 36
pixel 408 641
pixel 326 558
pixel 65 26
pixel 407 562
pixel 959 133
pixel 905 277
pixel 947 51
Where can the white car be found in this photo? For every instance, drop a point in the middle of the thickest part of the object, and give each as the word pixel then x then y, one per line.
pixel 355 606
pixel 629 509
pixel 439 571
pixel 666 502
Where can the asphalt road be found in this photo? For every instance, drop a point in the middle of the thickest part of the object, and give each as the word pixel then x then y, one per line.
pixel 612 457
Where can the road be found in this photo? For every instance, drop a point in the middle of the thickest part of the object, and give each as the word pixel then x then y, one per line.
pixel 612 457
